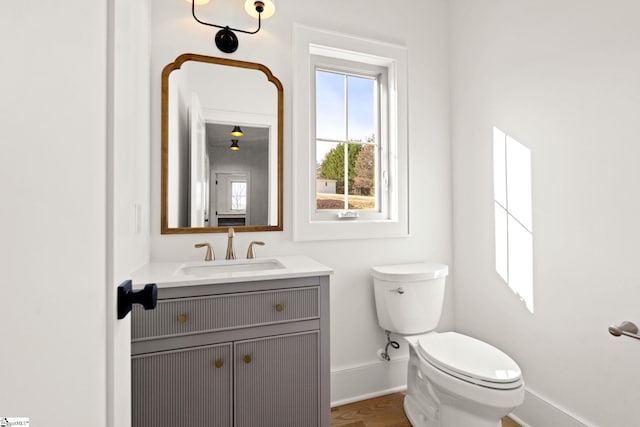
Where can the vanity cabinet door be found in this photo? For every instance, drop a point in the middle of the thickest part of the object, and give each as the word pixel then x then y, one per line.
pixel 189 387
pixel 276 381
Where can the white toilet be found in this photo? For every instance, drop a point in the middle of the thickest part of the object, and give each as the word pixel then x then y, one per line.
pixel 453 380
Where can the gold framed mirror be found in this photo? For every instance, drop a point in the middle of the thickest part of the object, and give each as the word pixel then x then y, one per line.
pixel 213 179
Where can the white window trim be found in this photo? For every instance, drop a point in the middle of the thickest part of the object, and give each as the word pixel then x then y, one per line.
pixel 309 41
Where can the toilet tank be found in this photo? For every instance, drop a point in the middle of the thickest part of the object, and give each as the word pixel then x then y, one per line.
pixel 409 297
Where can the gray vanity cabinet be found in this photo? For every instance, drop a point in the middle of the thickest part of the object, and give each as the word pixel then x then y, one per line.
pixel 250 354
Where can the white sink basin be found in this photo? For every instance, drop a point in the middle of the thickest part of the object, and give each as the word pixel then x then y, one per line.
pixel 212 268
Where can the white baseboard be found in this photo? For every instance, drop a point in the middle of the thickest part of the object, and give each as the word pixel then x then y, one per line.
pixel 539 412
pixel 367 381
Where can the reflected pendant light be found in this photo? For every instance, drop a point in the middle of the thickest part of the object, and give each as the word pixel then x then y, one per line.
pixel 237 131
pixel 234 145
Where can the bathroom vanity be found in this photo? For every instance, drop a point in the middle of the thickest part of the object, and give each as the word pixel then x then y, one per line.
pixel 241 343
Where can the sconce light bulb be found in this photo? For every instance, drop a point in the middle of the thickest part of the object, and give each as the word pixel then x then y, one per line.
pixel 263 8
pixel 234 145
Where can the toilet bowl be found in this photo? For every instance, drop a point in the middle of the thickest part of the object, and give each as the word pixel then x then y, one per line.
pixel 453 380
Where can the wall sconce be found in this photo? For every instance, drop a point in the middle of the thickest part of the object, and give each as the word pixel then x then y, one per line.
pixel 234 145
pixel 237 131
pixel 226 40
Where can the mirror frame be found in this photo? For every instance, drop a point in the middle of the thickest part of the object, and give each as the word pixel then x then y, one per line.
pixel 164 220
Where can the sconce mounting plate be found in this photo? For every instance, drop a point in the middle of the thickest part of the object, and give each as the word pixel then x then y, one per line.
pixel 226 40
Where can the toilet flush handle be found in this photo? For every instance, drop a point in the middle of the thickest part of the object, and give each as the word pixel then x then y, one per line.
pixel 400 290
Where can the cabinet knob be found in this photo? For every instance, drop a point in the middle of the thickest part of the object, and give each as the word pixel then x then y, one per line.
pixel 219 363
pixel 279 308
pixel 182 318
pixel 247 359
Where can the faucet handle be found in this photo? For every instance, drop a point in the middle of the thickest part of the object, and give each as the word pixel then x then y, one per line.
pixel 209 256
pixel 250 252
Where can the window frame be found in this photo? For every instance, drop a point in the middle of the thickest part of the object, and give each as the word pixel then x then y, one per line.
pixel 307 43
pixel 378 74
pixel 235 197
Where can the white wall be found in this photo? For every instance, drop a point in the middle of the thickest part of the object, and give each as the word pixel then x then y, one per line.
pixel 53 216
pixel 355 336
pixel 562 79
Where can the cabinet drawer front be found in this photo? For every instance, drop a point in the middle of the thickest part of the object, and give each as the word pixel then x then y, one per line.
pixel 213 313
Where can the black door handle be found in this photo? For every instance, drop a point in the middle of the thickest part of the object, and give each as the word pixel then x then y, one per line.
pixel 147 297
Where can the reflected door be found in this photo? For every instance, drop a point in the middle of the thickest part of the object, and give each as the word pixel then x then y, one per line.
pixel 232 199
pixel 198 166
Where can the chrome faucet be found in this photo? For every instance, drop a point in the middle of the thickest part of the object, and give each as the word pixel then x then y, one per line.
pixel 250 252
pixel 209 256
pixel 231 254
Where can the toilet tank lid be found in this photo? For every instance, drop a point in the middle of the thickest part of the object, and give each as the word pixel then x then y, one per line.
pixel 410 272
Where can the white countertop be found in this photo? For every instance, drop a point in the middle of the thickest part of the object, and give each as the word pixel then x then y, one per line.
pixel 175 274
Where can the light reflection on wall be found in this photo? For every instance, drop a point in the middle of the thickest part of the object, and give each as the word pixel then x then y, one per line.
pixel 513 215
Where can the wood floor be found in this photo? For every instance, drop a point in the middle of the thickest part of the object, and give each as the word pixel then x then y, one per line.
pixel 384 411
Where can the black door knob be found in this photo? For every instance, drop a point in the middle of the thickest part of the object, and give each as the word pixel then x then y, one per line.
pixel 147 297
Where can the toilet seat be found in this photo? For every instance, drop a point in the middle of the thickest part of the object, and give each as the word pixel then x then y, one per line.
pixel 470 360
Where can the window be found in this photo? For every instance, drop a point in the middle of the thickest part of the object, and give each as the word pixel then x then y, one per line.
pixel 350 150
pixel 513 215
pixel 348 144
pixel 238 195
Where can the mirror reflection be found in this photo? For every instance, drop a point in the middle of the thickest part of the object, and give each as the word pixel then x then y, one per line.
pixel 221 146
